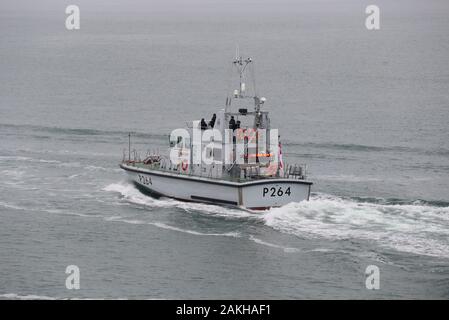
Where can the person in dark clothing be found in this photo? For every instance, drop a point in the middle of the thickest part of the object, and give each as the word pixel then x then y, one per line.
pixel 212 121
pixel 203 124
pixel 237 126
pixel 232 123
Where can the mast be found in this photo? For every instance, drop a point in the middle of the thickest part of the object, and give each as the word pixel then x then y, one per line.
pixel 241 66
pixel 129 146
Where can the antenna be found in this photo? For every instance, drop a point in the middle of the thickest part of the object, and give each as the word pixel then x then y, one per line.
pixel 129 146
pixel 241 66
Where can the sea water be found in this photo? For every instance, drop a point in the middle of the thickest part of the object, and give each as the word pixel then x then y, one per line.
pixel 366 110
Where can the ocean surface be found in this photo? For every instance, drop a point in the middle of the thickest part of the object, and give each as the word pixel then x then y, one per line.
pixel 368 111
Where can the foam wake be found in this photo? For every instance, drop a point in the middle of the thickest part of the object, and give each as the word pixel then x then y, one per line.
pixel 169 227
pixel 131 194
pixel 418 229
pixel 14 296
pixel 273 245
pixel 165 226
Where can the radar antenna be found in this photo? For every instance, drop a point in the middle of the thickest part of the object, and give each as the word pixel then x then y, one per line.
pixel 241 65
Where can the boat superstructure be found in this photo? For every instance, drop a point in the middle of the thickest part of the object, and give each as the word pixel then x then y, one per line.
pixel 235 159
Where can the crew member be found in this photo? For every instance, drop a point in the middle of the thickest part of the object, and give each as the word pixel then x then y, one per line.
pixel 232 123
pixel 212 121
pixel 203 124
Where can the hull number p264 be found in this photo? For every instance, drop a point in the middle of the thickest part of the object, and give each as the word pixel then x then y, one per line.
pixel 276 192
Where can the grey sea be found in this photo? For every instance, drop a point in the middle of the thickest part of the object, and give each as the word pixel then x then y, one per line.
pixel 368 111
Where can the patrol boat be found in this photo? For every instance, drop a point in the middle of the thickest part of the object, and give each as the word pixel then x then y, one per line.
pixel 235 160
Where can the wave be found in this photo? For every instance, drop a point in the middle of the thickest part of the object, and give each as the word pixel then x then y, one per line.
pixel 67 152
pixel 346 146
pixel 13 173
pixel 272 245
pixel 165 226
pixel 131 194
pixel 114 134
pixel 398 201
pixel 11 206
pixel 57 163
pixel 89 167
pixel 169 227
pixel 85 131
pixel 366 148
pixel 349 178
pixel 15 296
pixel 27 159
pixel 34 208
pixel 413 228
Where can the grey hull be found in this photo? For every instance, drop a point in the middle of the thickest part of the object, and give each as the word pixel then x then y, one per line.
pixel 255 194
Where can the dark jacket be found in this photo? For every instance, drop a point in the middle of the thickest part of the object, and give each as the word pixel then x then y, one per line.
pixel 232 124
pixel 203 124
